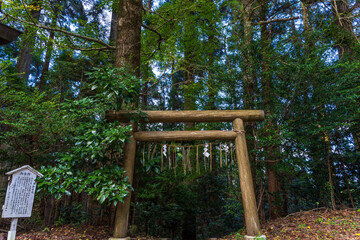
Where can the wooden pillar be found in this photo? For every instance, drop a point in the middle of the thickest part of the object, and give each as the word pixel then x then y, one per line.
pixel 246 182
pixel 123 209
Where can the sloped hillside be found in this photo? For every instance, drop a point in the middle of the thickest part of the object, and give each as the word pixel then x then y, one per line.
pixel 313 224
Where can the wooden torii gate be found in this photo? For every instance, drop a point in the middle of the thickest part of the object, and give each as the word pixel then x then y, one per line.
pixel 237 117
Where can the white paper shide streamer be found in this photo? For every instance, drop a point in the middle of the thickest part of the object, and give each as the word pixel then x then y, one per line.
pixel 164 149
pixel 206 149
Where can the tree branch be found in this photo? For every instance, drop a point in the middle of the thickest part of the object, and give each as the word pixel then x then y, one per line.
pixel 107 46
pixel 159 39
pixel 161 16
pixel 153 30
pixel 76 47
pixel 276 20
pixel 356 5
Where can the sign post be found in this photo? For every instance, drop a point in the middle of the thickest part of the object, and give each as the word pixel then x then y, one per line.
pixel 20 195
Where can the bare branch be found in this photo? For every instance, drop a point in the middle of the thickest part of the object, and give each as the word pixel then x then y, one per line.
pixel 277 20
pixel 158 41
pixel 91 49
pixel 62 31
pixel 153 30
pixel 76 47
pixel 356 5
pixel 161 16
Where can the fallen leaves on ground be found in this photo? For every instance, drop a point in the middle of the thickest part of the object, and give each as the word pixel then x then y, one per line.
pixel 68 232
pixel 315 224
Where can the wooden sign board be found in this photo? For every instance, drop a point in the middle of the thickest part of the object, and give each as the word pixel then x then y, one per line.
pixel 20 192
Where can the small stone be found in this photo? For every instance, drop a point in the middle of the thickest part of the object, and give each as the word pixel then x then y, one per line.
pixel 262 237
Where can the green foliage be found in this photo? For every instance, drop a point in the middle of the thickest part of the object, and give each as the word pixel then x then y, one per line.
pixel 5 75
pixel 73 214
pixel 106 184
pixel 32 122
pixel 238 236
pixel 64 135
pixel 116 87
pixel 94 143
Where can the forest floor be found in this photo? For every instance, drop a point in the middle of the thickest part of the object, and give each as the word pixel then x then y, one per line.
pixel 313 224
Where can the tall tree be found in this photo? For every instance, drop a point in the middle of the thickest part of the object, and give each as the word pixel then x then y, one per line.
pixel 346 40
pixel 128 45
pixel 272 149
pixel 190 42
pixel 113 24
pixel 49 49
pixel 248 74
pixel 23 63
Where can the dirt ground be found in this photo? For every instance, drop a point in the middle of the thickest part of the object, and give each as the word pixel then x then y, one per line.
pixel 314 224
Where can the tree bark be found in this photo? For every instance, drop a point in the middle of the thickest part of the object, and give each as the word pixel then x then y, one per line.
pixel 272 152
pixel 189 55
pixel 128 40
pixel 176 93
pixel 213 45
pixel 190 40
pixel 147 71
pixel 344 20
pixel 249 79
pixel 128 44
pixel 113 25
pixel 307 28
pixel 49 50
pixel 25 56
pixel 329 166
pixel 347 182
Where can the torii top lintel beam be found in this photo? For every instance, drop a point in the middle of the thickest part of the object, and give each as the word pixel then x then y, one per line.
pixel 189 116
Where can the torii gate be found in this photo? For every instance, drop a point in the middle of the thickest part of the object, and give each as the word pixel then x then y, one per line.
pixel 237 117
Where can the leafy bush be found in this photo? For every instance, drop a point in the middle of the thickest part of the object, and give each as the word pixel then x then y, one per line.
pixel 70 140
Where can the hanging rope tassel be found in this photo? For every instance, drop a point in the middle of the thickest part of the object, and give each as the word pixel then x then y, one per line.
pixel 226 161
pixel 184 159
pixel 231 155
pixel 149 152
pixel 220 156
pixel 153 152
pixel 175 160
pixel 143 152
pixel 169 156
pixel 197 159
pixel 210 157
pixel 162 158
pixel 205 162
pixel 188 158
